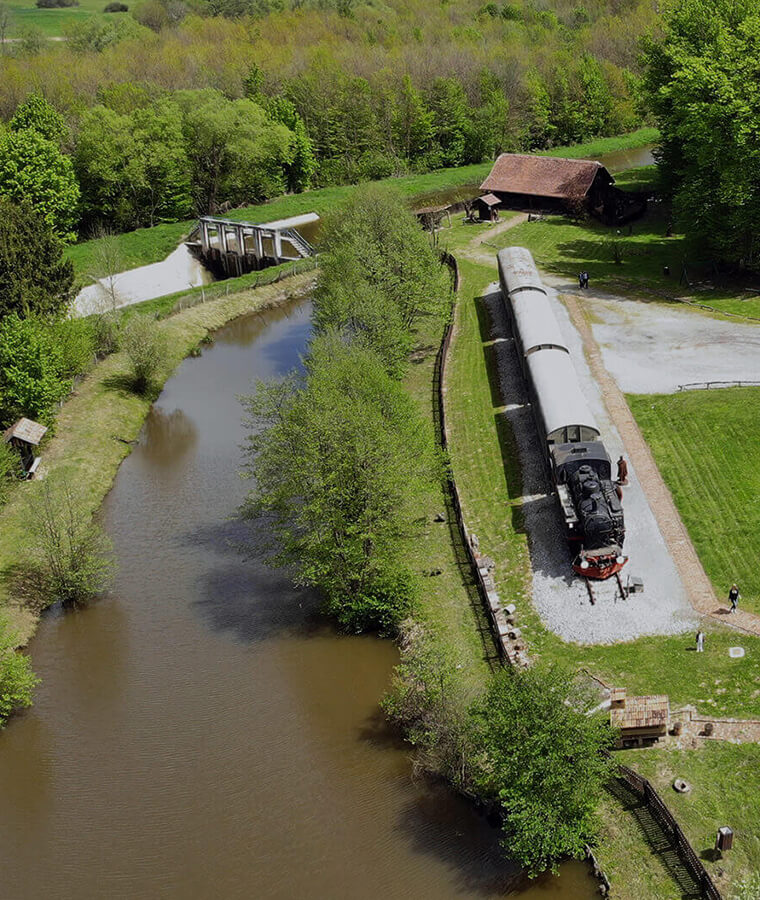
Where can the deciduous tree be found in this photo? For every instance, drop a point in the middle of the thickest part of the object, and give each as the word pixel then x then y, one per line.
pixel 540 754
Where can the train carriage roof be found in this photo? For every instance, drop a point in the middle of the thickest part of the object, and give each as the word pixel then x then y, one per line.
pixel 517 270
pixel 560 400
pixel 535 321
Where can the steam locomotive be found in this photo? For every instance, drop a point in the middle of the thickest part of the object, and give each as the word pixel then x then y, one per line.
pixel 580 467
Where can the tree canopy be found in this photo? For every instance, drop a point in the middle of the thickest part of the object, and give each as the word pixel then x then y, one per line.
pixel 35 276
pixel 33 168
pixel 540 754
pixel 378 275
pixel 339 457
pixel 701 83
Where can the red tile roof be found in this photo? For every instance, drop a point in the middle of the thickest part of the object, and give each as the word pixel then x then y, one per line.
pixel 542 176
pixel 641 712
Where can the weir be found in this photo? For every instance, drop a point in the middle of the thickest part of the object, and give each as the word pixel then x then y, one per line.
pixel 232 248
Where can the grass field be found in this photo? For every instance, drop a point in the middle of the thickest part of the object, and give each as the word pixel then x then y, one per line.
pixel 706 446
pixel 148 245
pixel 725 780
pixel 51 22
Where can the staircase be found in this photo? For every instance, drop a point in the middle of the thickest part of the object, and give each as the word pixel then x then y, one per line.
pixel 300 243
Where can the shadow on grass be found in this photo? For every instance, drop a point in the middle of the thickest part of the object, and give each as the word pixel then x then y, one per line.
pixel 508 390
pixel 124 385
pixel 659 842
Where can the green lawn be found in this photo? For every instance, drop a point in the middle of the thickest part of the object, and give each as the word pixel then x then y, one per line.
pixel 725 780
pixel 51 22
pixel 147 245
pixel 706 446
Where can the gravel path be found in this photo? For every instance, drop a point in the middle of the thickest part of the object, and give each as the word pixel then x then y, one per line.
pixel 559 595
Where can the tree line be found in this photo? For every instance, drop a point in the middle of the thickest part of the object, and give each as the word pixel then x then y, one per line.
pixel 341 458
pixel 701 77
pixel 160 124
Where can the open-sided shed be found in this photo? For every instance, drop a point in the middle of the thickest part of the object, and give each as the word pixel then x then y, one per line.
pixel 24 436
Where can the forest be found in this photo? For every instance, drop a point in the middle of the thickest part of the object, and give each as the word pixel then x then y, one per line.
pixel 173 108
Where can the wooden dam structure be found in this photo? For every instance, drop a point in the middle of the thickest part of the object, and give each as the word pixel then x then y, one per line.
pixel 232 248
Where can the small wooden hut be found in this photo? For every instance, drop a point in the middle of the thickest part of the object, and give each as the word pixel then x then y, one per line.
pixel 431 217
pixel 487 207
pixel 641 720
pixel 24 437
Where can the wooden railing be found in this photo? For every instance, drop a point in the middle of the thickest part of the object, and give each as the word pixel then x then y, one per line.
pixel 707 385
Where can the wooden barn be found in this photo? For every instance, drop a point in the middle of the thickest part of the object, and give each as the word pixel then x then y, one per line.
pixel 550 184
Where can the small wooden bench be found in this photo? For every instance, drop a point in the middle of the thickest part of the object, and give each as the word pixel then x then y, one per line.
pixel 33 468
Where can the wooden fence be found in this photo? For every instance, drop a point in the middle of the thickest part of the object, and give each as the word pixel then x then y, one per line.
pixel 664 818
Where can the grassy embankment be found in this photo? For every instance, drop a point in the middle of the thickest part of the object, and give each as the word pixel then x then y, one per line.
pixel 101 415
pixel 149 245
pixel 51 22
pixel 486 467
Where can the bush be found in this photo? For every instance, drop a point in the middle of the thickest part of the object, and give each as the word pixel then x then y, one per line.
pixel 76 341
pixel 105 332
pixel 145 346
pixel 72 552
pixel 115 7
pixel 56 4
pixel 540 755
pixel 10 469
pixel 17 681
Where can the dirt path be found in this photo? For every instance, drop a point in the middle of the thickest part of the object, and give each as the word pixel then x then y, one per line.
pixel 698 585
pixel 488 257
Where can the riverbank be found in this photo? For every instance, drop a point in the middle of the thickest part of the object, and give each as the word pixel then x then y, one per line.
pixel 96 425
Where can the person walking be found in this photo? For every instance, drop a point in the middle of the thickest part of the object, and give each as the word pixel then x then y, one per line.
pixel 733 596
pixel 700 641
pixel 580 280
pixel 622 475
pixel 585 280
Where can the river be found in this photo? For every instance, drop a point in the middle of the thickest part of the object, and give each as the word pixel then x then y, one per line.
pixel 201 732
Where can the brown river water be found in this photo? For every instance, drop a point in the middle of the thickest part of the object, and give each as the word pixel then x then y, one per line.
pixel 201 732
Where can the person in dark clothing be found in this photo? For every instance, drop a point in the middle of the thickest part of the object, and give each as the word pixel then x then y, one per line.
pixel 622 475
pixel 580 280
pixel 585 280
pixel 733 596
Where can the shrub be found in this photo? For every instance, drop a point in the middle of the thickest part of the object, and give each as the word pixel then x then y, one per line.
pixel 56 4
pixel 32 365
pixel 10 469
pixel 105 332
pixel 17 681
pixel 71 550
pixel 115 7
pixel 145 346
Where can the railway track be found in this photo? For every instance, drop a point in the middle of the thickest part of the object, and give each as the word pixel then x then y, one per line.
pixel 592 595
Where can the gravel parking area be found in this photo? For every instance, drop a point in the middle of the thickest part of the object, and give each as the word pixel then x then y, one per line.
pixel 560 596
pixel 652 348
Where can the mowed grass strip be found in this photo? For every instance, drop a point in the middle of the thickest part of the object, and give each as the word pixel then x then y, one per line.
pixel 707 449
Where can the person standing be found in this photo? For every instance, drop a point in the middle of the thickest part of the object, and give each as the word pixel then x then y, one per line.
pixel 733 596
pixel 580 280
pixel 700 641
pixel 622 467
